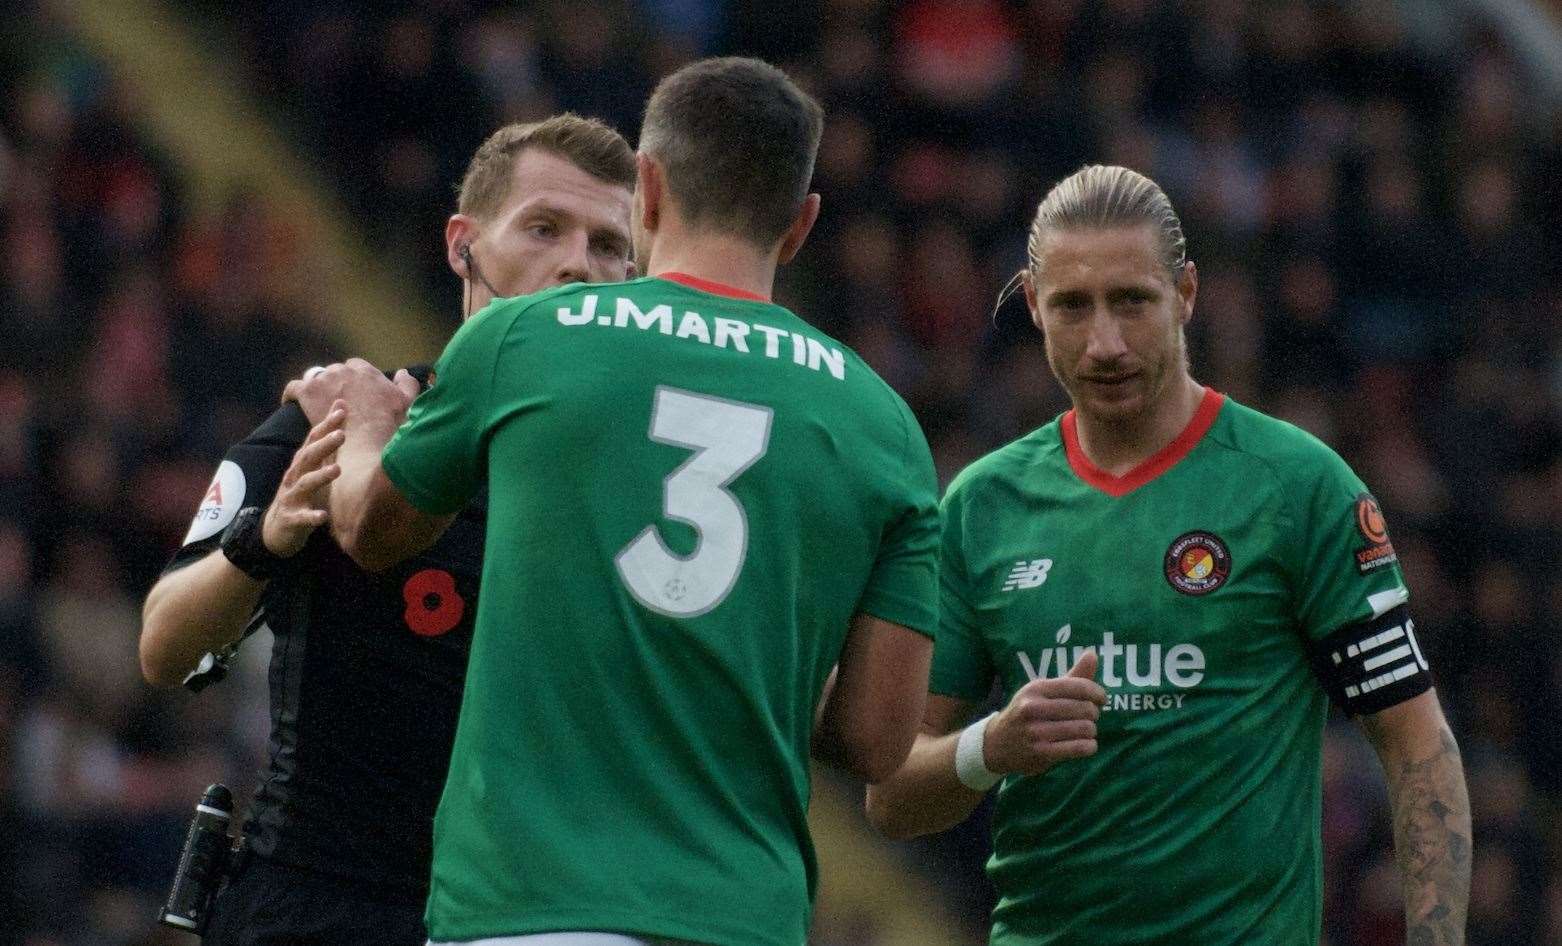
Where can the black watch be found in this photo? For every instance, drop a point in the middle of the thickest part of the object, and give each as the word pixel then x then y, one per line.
pixel 244 545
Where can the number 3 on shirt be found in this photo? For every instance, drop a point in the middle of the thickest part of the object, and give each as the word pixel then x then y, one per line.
pixel 727 437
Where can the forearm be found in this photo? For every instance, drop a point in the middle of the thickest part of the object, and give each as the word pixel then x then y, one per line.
pixel 352 493
pixel 1432 841
pixel 824 700
pixel 198 609
pixel 876 699
pixel 1431 816
pixel 925 795
pixel 370 519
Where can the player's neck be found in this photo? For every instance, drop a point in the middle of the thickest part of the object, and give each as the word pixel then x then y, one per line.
pixel 715 257
pixel 1117 446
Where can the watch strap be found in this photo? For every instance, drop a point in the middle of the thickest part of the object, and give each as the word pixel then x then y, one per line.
pixel 244 544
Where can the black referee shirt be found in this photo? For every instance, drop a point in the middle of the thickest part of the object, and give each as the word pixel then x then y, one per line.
pixel 365 680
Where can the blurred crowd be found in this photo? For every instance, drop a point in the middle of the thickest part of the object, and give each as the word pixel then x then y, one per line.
pixel 1371 204
pixel 140 338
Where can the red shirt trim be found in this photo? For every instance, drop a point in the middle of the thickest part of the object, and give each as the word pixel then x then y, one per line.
pixel 717 288
pixel 1163 460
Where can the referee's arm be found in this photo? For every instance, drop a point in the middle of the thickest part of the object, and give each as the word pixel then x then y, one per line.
pixel 201 606
pixel 189 613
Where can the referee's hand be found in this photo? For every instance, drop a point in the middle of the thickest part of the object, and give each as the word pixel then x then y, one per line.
pixel 1050 720
pixel 303 498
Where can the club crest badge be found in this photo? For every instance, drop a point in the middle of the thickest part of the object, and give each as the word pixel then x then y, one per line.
pixel 1197 563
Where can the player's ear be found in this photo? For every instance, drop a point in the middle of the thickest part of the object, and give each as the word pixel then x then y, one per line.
pixel 1028 286
pixel 797 233
pixel 1188 289
pixel 460 231
pixel 648 191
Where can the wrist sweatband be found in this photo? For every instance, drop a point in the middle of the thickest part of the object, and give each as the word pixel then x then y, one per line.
pixel 970 766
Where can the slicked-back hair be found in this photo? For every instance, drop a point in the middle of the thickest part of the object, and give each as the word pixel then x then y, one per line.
pixel 736 140
pixel 584 142
pixel 1099 197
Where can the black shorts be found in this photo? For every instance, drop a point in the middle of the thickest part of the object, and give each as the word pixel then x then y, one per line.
pixel 270 904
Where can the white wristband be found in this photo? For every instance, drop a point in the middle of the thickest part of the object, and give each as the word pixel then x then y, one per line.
pixel 970 766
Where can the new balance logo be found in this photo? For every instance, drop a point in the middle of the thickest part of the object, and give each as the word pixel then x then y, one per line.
pixel 1027 574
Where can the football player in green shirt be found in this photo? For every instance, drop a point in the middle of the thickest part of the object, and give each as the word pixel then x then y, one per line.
pixel 699 508
pixel 1170 588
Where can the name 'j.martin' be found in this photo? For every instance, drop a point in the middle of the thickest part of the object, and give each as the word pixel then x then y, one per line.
pixel 733 334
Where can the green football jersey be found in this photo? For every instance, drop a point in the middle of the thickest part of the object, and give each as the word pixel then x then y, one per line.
pixel 690 494
pixel 1205 580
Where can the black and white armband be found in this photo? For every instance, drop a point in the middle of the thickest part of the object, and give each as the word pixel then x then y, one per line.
pixel 1373 665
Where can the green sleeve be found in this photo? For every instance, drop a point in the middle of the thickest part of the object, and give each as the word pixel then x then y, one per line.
pixel 1345 570
pixel 903 586
pixel 962 667
pixel 439 456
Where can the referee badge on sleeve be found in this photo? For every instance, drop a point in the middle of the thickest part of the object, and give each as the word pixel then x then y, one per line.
pixel 223 500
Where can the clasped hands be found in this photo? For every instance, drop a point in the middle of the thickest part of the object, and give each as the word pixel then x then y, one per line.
pixel 329 396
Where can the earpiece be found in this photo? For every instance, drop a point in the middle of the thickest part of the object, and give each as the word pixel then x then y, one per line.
pixel 472 272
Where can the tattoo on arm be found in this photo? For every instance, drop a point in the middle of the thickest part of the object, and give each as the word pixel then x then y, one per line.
pixel 1432 843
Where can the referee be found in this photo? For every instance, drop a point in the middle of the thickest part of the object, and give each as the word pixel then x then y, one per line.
pixel 367 669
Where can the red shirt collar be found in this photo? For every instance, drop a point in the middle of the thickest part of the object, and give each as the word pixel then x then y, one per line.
pixel 707 285
pixel 1163 460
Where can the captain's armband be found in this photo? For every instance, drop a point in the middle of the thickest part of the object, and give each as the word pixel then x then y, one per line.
pixel 1373 665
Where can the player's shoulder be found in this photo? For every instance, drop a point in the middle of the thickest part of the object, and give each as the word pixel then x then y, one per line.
pixel 644 290
pixel 502 312
pixel 870 395
pixel 1013 463
pixel 861 374
pixel 1295 456
pixel 492 327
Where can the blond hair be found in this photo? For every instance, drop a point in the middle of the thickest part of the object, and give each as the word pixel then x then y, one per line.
pixel 584 142
pixel 1100 196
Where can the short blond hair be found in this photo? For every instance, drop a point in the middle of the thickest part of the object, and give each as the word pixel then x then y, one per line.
pixel 584 142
